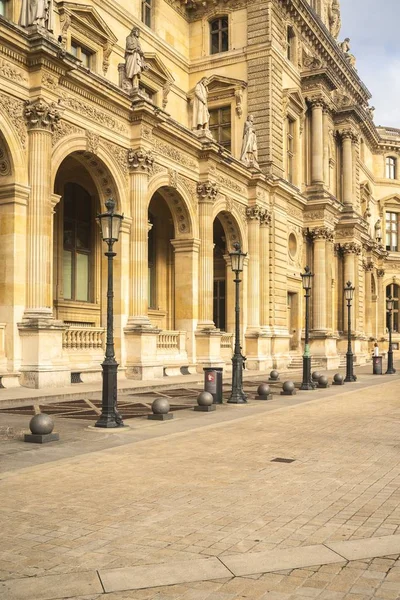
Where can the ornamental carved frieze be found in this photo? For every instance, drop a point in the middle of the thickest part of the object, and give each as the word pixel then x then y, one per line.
pixel 207 191
pixel 140 160
pixel 41 115
pixel 5 165
pixel 92 141
pixel 63 129
pixel 9 71
pixel 321 233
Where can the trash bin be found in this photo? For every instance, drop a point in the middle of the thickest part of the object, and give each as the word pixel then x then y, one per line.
pixel 213 383
pixel 377 365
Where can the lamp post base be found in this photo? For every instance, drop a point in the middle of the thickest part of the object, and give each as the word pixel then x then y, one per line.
pixel 307 383
pixel 237 396
pixel 349 368
pixel 110 417
pixel 390 368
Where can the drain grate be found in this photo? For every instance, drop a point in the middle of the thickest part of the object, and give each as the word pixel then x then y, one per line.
pixel 283 460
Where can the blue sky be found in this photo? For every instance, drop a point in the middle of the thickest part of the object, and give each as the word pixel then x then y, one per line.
pixel 373 27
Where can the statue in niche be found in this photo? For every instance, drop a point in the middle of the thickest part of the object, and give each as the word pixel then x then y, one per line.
pixel 345 47
pixel 249 152
pixel 37 12
pixel 335 21
pixel 201 116
pixel 134 58
pixel 378 231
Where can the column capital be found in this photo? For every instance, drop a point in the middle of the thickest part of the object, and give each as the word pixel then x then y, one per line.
pixel 321 233
pixel 140 160
pixel 368 266
pixel 348 248
pixel 380 272
pixel 265 217
pixel 347 134
pixel 207 191
pixel 184 245
pixel 318 102
pixel 39 114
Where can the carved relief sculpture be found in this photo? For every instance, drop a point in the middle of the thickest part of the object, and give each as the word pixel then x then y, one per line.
pixel 335 21
pixel 249 153
pixel 37 12
pixel 134 58
pixel 201 116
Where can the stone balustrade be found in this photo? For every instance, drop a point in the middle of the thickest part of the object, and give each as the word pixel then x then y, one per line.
pixel 83 338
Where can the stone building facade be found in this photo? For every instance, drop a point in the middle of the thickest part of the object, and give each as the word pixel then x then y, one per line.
pixel 325 190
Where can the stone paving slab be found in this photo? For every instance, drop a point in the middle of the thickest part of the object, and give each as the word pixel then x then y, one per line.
pixel 171 573
pixel 367 548
pixel 51 587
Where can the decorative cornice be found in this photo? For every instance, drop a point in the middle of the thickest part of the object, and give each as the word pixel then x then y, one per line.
pixel 207 191
pixel 41 115
pixel 140 160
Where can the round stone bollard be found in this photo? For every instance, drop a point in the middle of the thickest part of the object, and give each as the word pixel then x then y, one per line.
pixel 338 379
pixel 264 392
pixel 323 381
pixel 205 402
pixel 41 427
pixel 316 375
pixel 288 389
pixel 274 375
pixel 160 408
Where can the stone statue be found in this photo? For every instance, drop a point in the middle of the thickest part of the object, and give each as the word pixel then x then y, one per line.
pixel 249 153
pixel 335 21
pixel 37 12
pixel 134 58
pixel 378 231
pixel 345 47
pixel 370 111
pixel 201 116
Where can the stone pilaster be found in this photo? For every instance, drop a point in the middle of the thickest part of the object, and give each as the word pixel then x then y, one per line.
pixel 207 192
pixel 348 138
pixel 368 302
pixel 253 289
pixel 351 251
pixel 320 236
pixel 265 223
pixel 317 141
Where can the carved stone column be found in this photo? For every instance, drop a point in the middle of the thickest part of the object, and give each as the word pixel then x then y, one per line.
pixel 317 141
pixel 351 251
pixel 368 302
pixel 348 137
pixel 320 236
pixel 41 335
pixel 265 222
pixel 381 302
pixel 140 336
pixel 253 289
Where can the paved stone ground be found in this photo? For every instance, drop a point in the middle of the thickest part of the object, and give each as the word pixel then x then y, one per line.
pixel 215 492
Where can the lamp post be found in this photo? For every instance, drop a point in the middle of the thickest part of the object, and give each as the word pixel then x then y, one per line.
pixel 349 294
pixel 237 395
pixel 307 383
pixel 389 306
pixel 110 223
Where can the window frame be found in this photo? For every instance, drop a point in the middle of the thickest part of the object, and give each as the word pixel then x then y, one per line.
pixel 393 290
pixel 147 12
pixel 81 48
pixel 391 167
pixel 3 3
pixel 290 148
pixel 391 231
pixel 219 32
pixel 291 44
pixel 220 125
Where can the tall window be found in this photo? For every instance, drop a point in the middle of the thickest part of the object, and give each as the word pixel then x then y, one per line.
pixel 78 244
pixel 146 12
pixel 290 148
pixel 393 291
pixel 219 35
pixel 390 167
pixel 392 229
pixel 220 126
pixel 290 43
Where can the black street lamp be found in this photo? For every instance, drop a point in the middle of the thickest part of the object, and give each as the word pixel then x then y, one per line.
pixel 307 383
pixel 349 294
pixel 237 395
pixel 110 223
pixel 389 306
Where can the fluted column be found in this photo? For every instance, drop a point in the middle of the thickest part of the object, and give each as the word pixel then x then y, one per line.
pixel 348 137
pixel 40 118
pixel 317 141
pixel 140 164
pixel 207 192
pixel 253 288
pixel 320 237
pixel 351 251
pixel 265 222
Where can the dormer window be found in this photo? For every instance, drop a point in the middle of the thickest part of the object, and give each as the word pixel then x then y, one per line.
pixel 82 53
pixel 391 167
pixel 146 12
pixel 219 37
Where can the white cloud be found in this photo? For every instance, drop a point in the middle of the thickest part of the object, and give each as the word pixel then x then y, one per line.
pixel 373 28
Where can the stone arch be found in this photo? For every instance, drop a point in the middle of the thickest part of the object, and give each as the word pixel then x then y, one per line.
pixel 13 141
pixel 179 204
pixel 101 167
pixel 233 222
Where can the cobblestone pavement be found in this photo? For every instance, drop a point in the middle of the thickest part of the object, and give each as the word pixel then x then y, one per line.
pixel 215 492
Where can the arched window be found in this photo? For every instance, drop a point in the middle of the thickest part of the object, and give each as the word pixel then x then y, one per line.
pixel 146 12
pixel 219 37
pixel 393 291
pixel 78 243
pixel 390 167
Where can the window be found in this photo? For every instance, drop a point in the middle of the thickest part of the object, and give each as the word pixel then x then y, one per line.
pixel 393 291
pixel 219 312
pixel 290 148
pixel 3 8
pixel 151 241
pixel 220 126
pixel 392 228
pixel 219 35
pixel 78 246
pixel 82 53
pixel 146 12
pixel 290 44
pixel 390 167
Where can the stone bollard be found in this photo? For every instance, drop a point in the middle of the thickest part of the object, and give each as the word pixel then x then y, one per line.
pixel 274 376
pixel 264 392
pixel 338 379
pixel 323 382
pixel 41 427
pixel 315 376
pixel 205 402
pixel 160 408
pixel 288 389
